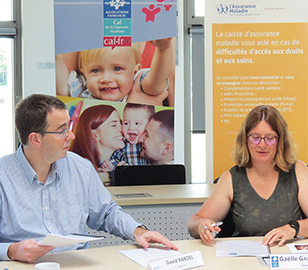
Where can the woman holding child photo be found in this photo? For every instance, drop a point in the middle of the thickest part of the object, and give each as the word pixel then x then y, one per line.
pixel 98 135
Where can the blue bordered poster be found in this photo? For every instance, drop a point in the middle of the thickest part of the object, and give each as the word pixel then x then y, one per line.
pixel 106 53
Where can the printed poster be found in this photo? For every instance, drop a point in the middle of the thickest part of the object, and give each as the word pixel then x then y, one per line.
pixel 112 134
pixel 116 59
pixel 257 54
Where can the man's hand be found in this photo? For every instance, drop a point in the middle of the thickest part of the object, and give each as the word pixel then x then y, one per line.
pixel 144 237
pixel 27 251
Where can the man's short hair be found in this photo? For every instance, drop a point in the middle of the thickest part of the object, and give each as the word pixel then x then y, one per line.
pixel 31 114
pixel 166 127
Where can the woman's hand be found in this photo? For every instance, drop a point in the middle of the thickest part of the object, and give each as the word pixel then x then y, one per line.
pixel 207 235
pixel 106 166
pixel 122 163
pixel 284 233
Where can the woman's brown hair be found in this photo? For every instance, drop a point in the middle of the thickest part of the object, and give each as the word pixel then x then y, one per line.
pixel 286 153
pixel 84 143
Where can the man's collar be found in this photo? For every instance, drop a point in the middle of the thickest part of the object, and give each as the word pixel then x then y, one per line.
pixel 53 173
pixel 29 173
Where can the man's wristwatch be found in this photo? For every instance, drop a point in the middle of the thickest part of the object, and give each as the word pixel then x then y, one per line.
pixel 143 226
pixel 295 225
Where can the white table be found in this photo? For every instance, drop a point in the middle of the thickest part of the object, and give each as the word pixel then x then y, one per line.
pixel 108 258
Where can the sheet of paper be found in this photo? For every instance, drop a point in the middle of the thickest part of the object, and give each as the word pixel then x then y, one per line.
pixel 60 240
pixel 240 248
pixel 143 256
pixel 298 248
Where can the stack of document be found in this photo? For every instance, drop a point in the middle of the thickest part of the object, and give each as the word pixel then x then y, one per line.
pixel 241 248
pixel 56 240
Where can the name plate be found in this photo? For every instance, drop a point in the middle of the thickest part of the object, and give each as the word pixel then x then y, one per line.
pixel 289 261
pixel 182 261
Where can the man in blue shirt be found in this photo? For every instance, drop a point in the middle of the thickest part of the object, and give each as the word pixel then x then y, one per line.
pixel 46 189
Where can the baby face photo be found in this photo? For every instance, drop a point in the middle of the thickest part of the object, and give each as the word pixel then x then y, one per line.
pixel 141 73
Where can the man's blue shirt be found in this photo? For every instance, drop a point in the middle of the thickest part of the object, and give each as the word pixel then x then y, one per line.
pixel 72 197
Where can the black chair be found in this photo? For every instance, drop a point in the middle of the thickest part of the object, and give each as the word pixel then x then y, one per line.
pixel 149 175
pixel 228 227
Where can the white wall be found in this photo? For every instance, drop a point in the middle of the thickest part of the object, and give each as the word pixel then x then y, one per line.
pixel 38 59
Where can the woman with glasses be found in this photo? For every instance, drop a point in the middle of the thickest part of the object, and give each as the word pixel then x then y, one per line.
pixel 266 191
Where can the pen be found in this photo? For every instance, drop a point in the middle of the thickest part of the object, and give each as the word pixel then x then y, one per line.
pixel 214 225
pixel 87 235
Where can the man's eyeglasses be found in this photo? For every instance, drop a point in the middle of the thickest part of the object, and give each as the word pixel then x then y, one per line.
pixel 256 139
pixel 64 132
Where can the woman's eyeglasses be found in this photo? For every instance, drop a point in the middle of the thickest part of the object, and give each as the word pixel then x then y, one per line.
pixel 256 139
